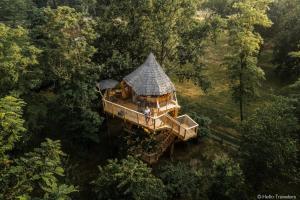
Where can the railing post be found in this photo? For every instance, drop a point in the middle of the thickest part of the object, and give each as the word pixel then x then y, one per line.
pixel 179 129
pixel 137 116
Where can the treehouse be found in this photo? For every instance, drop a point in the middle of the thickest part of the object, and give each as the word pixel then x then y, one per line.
pixel 149 86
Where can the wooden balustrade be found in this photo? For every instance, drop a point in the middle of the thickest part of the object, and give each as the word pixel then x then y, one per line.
pixel 180 128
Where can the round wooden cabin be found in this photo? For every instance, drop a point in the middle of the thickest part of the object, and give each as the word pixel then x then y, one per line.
pixel 149 86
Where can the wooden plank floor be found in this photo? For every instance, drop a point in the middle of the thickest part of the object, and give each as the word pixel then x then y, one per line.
pixel 128 112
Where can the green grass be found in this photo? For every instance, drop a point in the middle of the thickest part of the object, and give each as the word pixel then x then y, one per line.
pixel 217 103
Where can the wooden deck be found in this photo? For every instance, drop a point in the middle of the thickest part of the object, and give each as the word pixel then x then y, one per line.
pixel 183 127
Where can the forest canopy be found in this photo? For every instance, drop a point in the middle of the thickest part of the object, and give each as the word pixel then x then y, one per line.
pixel 235 65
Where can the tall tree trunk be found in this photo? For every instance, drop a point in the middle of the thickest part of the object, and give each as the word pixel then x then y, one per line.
pixel 242 89
pixel 241 108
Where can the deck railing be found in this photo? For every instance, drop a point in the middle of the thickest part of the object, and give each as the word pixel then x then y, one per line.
pixel 139 118
pixel 183 126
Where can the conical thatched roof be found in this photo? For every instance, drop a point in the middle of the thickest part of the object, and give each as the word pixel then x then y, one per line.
pixel 150 79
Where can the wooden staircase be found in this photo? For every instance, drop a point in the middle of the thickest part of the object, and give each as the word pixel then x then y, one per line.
pixel 182 127
pixel 152 158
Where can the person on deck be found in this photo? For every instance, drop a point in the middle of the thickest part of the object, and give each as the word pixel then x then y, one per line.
pixel 147 114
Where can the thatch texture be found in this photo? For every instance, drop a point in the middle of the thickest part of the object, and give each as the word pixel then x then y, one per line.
pixel 150 79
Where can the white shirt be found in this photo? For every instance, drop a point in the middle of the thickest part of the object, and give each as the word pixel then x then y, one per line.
pixel 147 111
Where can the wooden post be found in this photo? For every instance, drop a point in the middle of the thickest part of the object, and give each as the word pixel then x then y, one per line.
pixel 112 110
pixel 167 104
pixel 175 112
pixel 175 98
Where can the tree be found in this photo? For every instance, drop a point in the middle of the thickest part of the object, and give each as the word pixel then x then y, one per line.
pixel 15 12
pixel 17 54
pixel 227 181
pixel 182 182
pixel 204 124
pixel 129 30
pixel 35 175
pixel 65 37
pixel 269 145
pixel 221 7
pixel 35 172
pixel 245 75
pixel 293 90
pixel 128 179
pixel 169 20
pixel 286 15
pixel 11 125
pixel 88 6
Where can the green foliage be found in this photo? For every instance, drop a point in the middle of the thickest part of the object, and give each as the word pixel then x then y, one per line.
pixel 36 174
pixel 227 181
pixel 11 125
pixel 295 54
pixel 65 37
pixel 181 181
pixel 51 56
pixel 204 123
pixel 286 15
pixel 16 55
pixel 14 12
pixel 269 144
pixel 68 35
pixel 130 30
pixel 222 7
pixel 88 6
pixel 128 179
pixel 166 31
pixel 245 75
pixel 295 94
pixel 217 25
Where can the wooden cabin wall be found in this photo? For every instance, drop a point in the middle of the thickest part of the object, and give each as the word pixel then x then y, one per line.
pixel 126 90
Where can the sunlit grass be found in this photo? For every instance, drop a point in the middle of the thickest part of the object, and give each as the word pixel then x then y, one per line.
pixel 217 102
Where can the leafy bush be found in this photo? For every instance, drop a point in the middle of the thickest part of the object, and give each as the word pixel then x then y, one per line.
pixel 128 179
pixel 204 123
pixel 226 179
pixel 36 174
pixel 181 181
pixel 269 144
